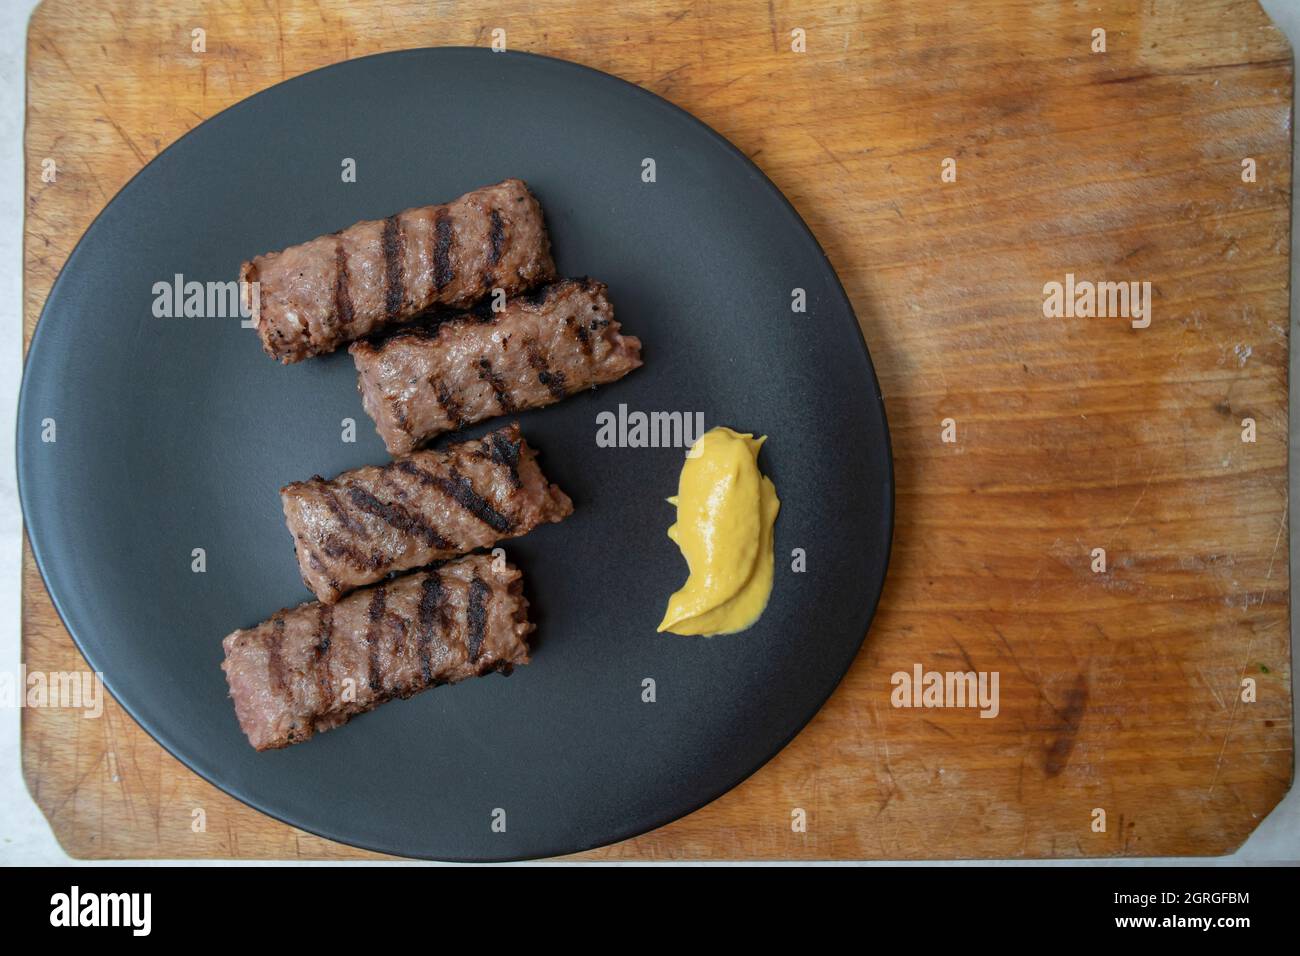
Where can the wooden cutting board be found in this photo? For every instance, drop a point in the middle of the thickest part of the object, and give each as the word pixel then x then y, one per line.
pixel 1119 690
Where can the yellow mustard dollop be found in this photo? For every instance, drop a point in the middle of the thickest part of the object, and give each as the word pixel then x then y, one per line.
pixel 725 512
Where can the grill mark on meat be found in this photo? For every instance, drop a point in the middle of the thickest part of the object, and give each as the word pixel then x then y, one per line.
pixel 497 235
pixel 554 381
pixel 332 544
pixel 457 487
pixel 476 615
pixel 539 297
pixel 579 332
pixel 415 471
pixel 338 511
pixel 399 412
pixel 393 243
pixel 506 453
pixel 335 547
pixel 395 488
pixel 442 270
pixel 306 334
pixel 432 597
pixel 324 638
pixel 375 613
pixel 498 386
pixel 398 517
pixel 274 657
pixel 451 408
pixel 400 493
pixel 342 294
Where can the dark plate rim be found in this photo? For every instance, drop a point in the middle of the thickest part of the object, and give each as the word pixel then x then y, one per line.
pixel 633 831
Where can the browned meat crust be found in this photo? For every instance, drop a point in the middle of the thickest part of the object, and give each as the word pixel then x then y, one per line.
pixel 321 294
pixel 311 668
pixel 359 527
pixel 422 381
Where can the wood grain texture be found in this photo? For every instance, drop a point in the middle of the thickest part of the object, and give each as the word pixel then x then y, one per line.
pixel 1118 690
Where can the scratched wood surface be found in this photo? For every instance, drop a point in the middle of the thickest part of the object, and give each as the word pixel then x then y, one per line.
pixel 1118 690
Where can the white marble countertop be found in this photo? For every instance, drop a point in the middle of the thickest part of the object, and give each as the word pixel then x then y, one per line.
pixel 25 837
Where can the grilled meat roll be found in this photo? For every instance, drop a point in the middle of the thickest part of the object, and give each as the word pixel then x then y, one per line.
pixel 357 528
pixel 311 668
pixel 425 380
pixel 314 297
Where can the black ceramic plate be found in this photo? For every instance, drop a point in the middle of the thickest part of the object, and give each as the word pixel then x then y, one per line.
pixel 175 434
